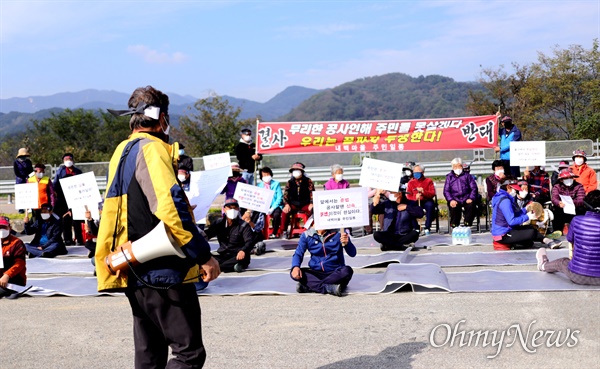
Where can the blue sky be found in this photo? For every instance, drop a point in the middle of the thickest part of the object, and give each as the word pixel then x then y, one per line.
pixel 254 49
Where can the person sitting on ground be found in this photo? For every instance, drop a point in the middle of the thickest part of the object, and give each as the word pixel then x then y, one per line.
pixel 422 191
pixel 584 267
pixel 562 165
pixel 511 224
pixel 492 182
pixel 297 197
pixel 256 221
pixel 586 174
pixel 46 194
pixel 566 186
pixel 14 270
pixel 460 191
pixel 229 189
pixel 267 181
pixel 337 181
pixel 539 184
pixel 234 236
pixel 327 271
pixel 47 228
pixel 400 216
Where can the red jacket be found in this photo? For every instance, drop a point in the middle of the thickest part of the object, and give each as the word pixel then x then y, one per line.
pixel 428 188
pixel 13 253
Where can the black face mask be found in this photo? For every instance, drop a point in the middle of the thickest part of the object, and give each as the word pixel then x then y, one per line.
pixel 508 125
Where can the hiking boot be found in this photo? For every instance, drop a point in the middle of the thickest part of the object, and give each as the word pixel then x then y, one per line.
pixel 542 258
pixel 333 289
pixel 300 288
pixel 260 248
pixel 554 244
pixel 238 268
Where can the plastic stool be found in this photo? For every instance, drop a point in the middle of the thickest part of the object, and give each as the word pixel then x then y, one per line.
pixel 296 229
pixel 267 230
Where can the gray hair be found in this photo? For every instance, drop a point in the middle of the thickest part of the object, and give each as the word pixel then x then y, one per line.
pixel 335 168
pixel 420 166
pixel 150 96
pixel 456 161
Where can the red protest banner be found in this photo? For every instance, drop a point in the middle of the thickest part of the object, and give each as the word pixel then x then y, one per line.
pixel 383 135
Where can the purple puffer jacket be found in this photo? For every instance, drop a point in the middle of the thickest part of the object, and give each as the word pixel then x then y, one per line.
pixel 460 188
pixel 583 234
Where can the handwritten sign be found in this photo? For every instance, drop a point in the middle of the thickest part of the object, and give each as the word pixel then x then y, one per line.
pixel 81 190
pixel 78 212
pixel 253 198
pixel 527 153
pixel 217 161
pixel 341 208
pixel 27 196
pixel 205 186
pixel 380 174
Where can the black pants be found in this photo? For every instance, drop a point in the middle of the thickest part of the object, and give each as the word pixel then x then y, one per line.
pixel 228 260
pixel 163 318
pixel 276 219
pixel 513 171
pixel 68 224
pixel 456 213
pixel 392 241
pixel 522 237
pixel 316 280
pixel 560 218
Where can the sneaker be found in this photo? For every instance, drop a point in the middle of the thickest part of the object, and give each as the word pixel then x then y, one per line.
pixel 333 289
pixel 426 232
pixel 238 268
pixel 260 248
pixel 273 236
pixel 542 258
pixel 554 235
pixel 300 288
pixel 284 235
pixel 554 244
pixel 565 229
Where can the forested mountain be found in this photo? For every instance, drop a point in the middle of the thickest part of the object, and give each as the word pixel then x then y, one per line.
pixel 391 96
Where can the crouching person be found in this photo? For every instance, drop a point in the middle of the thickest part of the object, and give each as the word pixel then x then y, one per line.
pixel 327 271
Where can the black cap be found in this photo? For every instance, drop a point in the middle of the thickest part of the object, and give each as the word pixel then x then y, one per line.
pixel 246 131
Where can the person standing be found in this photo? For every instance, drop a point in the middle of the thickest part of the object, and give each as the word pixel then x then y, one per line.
pixel 22 166
pixel 46 194
pixel 142 190
pixel 245 152
pixel 68 169
pixel 508 133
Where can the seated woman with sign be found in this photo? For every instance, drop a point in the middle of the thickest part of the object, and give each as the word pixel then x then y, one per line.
pixel 327 271
pixel 510 224
pixel 399 217
pixel 566 187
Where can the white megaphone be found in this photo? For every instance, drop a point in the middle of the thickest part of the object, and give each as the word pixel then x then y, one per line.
pixel 155 244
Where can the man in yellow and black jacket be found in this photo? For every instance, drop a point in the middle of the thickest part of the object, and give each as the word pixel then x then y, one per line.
pixel 142 190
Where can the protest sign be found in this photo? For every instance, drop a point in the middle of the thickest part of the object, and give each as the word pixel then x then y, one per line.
pixel 205 186
pixel 344 208
pixel 27 196
pixel 253 198
pixel 217 161
pixel 380 174
pixel 527 153
pixel 81 191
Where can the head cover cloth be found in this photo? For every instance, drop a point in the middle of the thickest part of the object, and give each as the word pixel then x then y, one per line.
pixel 142 108
pixel 4 221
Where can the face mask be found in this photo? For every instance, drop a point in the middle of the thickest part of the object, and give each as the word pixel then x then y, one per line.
pixel 246 138
pixel 266 179
pixel 297 173
pixel 407 173
pixel 578 161
pixel 39 175
pixel 508 125
pixel 568 182
pixel 232 213
pixel 45 216
pixel 458 171
pixel 418 175
pixel 4 233
pixel 499 173
pixel 181 177
pixel 68 163
pixel 523 194
pixel 392 197
pixel 513 193
pixel 181 151
pixel 339 177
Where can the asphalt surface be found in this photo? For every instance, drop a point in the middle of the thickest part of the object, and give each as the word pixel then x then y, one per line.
pixel 319 331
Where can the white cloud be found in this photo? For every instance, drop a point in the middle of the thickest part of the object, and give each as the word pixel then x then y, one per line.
pixel 155 57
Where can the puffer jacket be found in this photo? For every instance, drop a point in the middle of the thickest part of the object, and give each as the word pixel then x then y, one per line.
pixel 142 190
pixel 326 252
pixel 460 188
pixel 583 234
pixel 587 177
pixel 506 213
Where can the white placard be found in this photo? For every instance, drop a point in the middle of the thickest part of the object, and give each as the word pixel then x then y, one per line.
pixel 344 208
pixel 205 186
pixel 218 161
pixel 81 190
pixel 380 174
pixel 78 212
pixel 27 196
pixel 527 153
pixel 569 204
pixel 253 198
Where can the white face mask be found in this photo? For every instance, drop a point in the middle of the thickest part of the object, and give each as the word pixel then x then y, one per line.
pixel 499 173
pixel 39 175
pixel 392 197
pixel 457 171
pixel 232 213
pixel 339 177
pixel 181 177
pixel 4 233
pixel 266 179
pixel 568 182
pixel 297 174
pixel 523 194
pixel 45 216
pixel 407 173
pixel 68 163
pixel 246 138
pixel 578 160
pixel 513 193
pixel 181 152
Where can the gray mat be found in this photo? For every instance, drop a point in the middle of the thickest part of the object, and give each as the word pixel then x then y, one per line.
pixel 446 240
pixel 461 259
pixel 359 261
pixel 59 266
pixel 77 251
